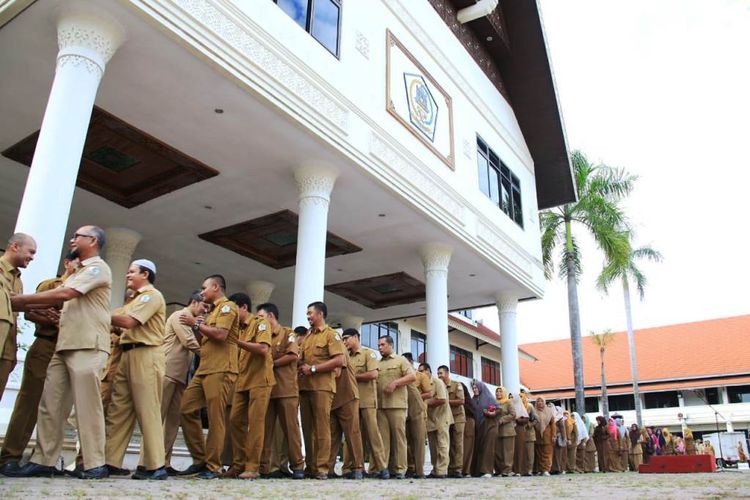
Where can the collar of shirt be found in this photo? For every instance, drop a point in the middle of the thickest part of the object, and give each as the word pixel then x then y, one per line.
pixel 8 267
pixel 90 260
pixel 390 356
pixel 143 289
pixel 318 330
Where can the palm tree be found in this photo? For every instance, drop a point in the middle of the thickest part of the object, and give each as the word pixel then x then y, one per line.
pixel 625 270
pixel 600 188
pixel 603 340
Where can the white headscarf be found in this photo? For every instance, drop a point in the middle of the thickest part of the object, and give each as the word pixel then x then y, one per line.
pixel 521 412
pixel 559 413
pixel 583 432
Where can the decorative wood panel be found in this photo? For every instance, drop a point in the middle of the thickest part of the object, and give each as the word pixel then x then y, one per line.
pixel 382 291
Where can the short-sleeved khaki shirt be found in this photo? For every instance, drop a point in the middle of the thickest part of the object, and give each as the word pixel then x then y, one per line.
pixel 42 330
pixel 179 345
pixel 147 307
pixel 456 391
pixel 85 321
pixel 365 360
pixel 391 368
pixel 318 347
pixel 255 370
pixel 219 356
pixel 10 281
pixel 346 384
pixel 283 343
pixel 438 416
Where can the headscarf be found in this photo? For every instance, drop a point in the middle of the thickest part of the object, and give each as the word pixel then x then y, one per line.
pixel 635 434
pixel 667 435
pixel 481 402
pixel 468 395
pixel 570 422
pixel 621 427
pixel 520 407
pixel 503 395
pixel 583 429
pixel 612 429
pixel 688 433
pixel 525 398
pixel 545 416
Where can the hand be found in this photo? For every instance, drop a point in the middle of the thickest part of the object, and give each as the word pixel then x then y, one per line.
pixel 391 387
pixel 51 314
pixel 188 319
pixel 305 369
pixel 115 339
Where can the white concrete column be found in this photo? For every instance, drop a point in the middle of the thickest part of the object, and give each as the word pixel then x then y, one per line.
pixel 86 43
pixel 506 309
pixel 314 183
pixel 259 292
pixel 436 257
pixel 350 321
pixel 118 252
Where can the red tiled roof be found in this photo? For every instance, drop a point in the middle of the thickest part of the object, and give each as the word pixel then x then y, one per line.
pixel 482 330
pixel 663 386
pixel 718 347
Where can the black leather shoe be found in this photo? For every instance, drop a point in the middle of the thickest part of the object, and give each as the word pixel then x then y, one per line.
pixel 357 474
pixel 455 475
pixel 436 476
pixel 117 471
pixel 101 472
pixel 384 474
pixel 10 466
pixel 298 474
pixel 398 476
pixel 193 469
pixel 31 470
pixel 322 477
pixel 332 475
pixel 277 474
pixel 172 472
pixel 156 474
pixel 208 474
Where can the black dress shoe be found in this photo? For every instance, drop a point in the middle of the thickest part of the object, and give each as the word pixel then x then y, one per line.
pixel 398 476
pixel 436 476
pixel 323 477
pixel 10 466
pixel 156 474
pixel 193 469
pixel 277 474
pixel 208 474
pixel 357 474
pixel 456 475
pixel 101 472
pixel 31 470
pixel 117 471
pixel 332 475
pixel 298 474
pixel 172 472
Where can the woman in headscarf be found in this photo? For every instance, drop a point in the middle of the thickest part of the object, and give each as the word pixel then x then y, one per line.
pixel 624 443
pixel 530 432
pixel 559 458
pixel 636 450
pixel 647 447
pixel 570 425
pixel 582 436
pixel 486 431
pixel 468 432
pixel 601 440
pixel 545 435
pixel 708 449
pixel 589 463
pixel 667 442
pixel 614 446
pixel 656 440
pixel 506 433
pixel 689 441
pixel 520 457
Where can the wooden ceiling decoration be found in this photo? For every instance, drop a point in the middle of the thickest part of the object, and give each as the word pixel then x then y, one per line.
pixel 382 291
pixel 272 240
pixel 123 164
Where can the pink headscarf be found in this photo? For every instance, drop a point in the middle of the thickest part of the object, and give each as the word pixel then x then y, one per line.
pixel 612 429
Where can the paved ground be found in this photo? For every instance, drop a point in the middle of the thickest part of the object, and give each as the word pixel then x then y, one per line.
pixel 613 486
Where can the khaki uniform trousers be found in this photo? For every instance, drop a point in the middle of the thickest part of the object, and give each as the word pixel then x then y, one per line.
pixel 487 442
pixel 136 395
pixel 7 359
pixel 469 429
pixel 171 398
pixel 368 426
pixel 248 427
pixel 315 407
pixel 211 391
pixel 504 449
pixel 438 441
pixel 25 410
pixel 392 427
pixel 570 464
pixel 530 451
pixel 456 451
pixel 416 433
pixel 281 424
pixel 345 419
pixel 73 377
pixel 543 450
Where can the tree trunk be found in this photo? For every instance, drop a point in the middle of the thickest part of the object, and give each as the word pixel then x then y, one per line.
pixel 575 323
pixel 631 347
pixel 605 399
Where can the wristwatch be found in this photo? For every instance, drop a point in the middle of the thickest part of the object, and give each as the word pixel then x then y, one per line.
pixel 196 327
pixel 313 369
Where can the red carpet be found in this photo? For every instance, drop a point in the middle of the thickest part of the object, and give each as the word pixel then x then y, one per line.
pixel 678 464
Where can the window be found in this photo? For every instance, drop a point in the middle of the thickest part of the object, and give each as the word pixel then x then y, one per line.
pixel 621 402
pixel 499 183
pixel 466 313
pixel 371 332
pixel 320 18
pixel 490 371
pixel 418 346
pixel 592 405
pixel 739 394
pixel 667 399
pixel 462 362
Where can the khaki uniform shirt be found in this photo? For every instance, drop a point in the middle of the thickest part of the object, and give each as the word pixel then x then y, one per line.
pixel 363 361
pixel 439 416
pixel 391 368
pixel 85 320
pixel 283 343
pixel 179 345
pixel 456 391
pixel 346 384
pixel 42 330
pixel 417 405
pixel 318 347
pixel 255 370
pixel 221 356
pixel 147 307
pixel 10 281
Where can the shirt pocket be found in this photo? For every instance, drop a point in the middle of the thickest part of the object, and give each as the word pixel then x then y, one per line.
pixel 320 350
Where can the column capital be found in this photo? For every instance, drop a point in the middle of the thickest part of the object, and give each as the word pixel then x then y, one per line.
pixel 259 291
pixel 315 181
pixel 120 242
pixel 87 38
pixel 506 302
pixel 435 256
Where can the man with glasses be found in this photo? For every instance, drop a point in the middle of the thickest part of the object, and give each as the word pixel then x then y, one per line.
pixel 73 374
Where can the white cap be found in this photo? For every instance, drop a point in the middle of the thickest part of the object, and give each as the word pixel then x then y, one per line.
pixel 146 263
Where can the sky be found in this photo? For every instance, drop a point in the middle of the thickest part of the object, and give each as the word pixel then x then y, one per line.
pixel 662 89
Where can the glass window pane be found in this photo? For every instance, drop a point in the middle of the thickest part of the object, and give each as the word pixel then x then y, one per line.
pixel 494 188
pixel 505 204
pixel 482 174
pixel 296 9
pixel 517 211
pixel 325 24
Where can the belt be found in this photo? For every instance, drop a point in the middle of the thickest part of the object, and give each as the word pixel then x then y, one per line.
pixel 127 347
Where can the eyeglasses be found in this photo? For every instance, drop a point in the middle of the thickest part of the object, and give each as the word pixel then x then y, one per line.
pixel 79 235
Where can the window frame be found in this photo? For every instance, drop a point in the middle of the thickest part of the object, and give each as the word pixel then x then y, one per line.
pixel 507 183
pixel 457 351
pixel 493 367
pixel 421 338
pixel 310 19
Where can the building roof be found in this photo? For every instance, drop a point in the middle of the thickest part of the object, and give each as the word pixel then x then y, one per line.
pixel 481 332
pixel 670 356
